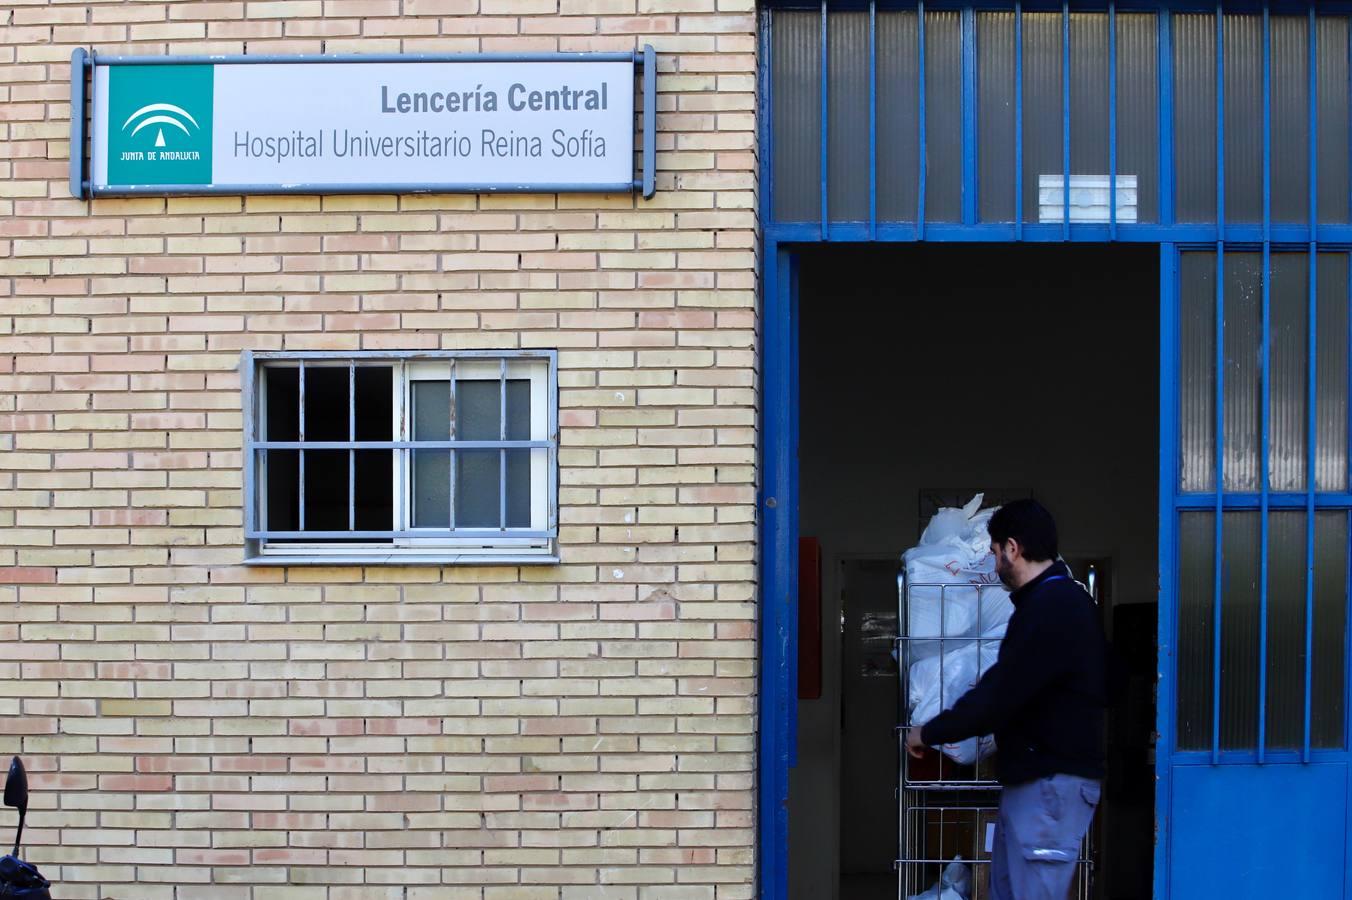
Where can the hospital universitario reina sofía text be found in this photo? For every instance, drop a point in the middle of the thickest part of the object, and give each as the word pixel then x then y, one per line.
pixel 489 143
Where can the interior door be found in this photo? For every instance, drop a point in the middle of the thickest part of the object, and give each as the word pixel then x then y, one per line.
pixel 1253 795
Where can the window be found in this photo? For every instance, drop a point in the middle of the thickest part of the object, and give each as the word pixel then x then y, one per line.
pixel 436 457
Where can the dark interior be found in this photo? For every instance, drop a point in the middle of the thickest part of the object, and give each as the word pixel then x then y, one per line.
pixel 929 373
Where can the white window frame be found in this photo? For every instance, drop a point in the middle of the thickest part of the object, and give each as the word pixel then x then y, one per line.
pixel 404 543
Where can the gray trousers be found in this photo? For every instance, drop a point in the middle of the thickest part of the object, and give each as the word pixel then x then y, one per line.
pixel 1037 840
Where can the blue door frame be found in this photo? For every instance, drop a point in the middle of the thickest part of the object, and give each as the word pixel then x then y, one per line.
pixel 1194 785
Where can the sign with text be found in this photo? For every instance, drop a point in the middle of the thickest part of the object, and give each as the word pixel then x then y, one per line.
pixel 485 124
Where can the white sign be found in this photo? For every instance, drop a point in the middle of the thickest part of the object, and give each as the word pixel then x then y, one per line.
pixel 473 125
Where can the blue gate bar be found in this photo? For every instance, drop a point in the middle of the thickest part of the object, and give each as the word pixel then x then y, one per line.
pixel 1112 123
pixel 1311 402
pixel 352 454
pixel 1265 382
pixel 872 120
pixel 825 114
pixel 1018 120
pixel 921 154
pixel 450 452
pixel 502 436
pixel 1219 561
pixel 969 127
pixel 301 432
pixel 1065 121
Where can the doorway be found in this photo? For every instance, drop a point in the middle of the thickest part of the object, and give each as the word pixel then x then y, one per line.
pixel 929 373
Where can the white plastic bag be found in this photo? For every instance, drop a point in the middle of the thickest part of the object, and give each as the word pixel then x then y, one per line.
pixel 953 589
pixel 936 683
pixel 955 883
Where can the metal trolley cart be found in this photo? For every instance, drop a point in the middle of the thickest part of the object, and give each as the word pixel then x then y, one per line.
pixel 947 809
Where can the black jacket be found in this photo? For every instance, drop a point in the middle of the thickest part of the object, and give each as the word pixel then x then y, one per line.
pixel 1045 696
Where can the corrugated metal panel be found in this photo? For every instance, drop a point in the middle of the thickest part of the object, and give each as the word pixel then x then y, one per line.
pixel 1244 118
pixel 795 72
pixel 1331 362
pixel 1089 105
pixel 995 115
pixel 1194 60
pixel 1243 376
pixel 943 116
pixel 898 116
pixel 1042 116
pixel 1138 125
pixel 1290 120
pixel 848 111
pixel 1333 126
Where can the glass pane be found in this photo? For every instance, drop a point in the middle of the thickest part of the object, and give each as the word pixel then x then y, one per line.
pixel 943 116
pixel 1138 109
pixel 375 489
pixel 1290 119
pixel 431 401
pixel 1194 36
pixel 1197 372
pixel 1329 674
pixel 1240 617
pixel 1244 118
pixel 1332 75
pixel 1289 410
pixel 1042 118
pixel 326 488
pixel 1286 630
pixel 480 473
pixel 1243 375
pixel 1196 580
pixel 375 403
pixel 1089 94
pixel 995 109
pixel 281 474
pixel 795 72
pixel 1331 338
pixel 847 108
pixel 477 477
pixel 898 112
pixel 326 405
pixel 282 403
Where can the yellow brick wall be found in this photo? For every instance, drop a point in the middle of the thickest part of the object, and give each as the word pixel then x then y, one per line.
pixel 201 730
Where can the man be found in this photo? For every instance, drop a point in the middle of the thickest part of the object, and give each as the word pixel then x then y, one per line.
pixel 1044 701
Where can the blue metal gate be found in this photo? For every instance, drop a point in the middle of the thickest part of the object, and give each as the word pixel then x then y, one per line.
pixel 1220 132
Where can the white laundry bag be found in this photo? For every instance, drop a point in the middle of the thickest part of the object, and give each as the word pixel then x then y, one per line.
pixel 936 683
pixel 953 591
pixel 955 883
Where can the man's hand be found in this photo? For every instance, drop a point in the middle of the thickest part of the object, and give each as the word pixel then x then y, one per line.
pixel 914 745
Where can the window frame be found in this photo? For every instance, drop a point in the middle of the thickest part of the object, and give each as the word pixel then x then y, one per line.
pixel 404 544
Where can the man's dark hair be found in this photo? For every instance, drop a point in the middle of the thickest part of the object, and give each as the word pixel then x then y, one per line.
pixel 1029 523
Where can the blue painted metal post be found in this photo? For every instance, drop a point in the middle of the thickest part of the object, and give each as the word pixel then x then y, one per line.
pixel 1311 399
pixel 1265 380
pixel 1168 548
pixel 1219 572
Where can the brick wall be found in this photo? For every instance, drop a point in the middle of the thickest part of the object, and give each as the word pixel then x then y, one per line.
pixel 201 730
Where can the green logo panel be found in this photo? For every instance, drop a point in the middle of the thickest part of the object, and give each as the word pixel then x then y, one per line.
pixel 159 124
